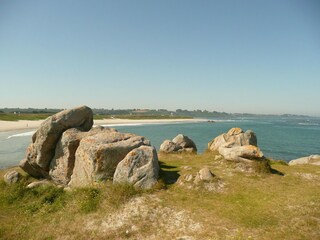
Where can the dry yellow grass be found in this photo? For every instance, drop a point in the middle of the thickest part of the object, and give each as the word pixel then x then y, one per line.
pixel 248 206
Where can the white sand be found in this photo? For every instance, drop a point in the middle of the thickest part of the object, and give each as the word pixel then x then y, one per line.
pixel 25 124
pixel 19 125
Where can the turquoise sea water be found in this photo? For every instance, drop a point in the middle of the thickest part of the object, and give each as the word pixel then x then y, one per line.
pixel 281 138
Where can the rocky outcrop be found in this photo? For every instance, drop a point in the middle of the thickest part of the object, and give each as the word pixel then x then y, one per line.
pixel 234 137
pixel 98 156
pixel 11 177
pixel 42 149
pixel 312 159
pixel 65 151
pixel 236 145
pixel 62 164
pixel 180 143
pixel 140 168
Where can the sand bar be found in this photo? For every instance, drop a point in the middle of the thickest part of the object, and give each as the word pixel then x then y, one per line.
pixel 25 124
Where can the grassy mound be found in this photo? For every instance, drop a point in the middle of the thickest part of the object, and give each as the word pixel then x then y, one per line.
pixel 280 203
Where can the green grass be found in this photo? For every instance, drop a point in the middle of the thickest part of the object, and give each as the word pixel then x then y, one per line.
pixel 283 204
pixel 23 116
pixel 88 198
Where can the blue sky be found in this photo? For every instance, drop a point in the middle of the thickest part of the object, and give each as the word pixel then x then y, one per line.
pixel 234 56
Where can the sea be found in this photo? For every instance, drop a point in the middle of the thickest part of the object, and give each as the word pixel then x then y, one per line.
pixel 280 138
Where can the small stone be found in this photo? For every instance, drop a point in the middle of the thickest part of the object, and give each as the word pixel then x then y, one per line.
pixel 11 177
pixel 38 183
pixel 188 168
pixel 188 177
pixel 204 175
pixel 185 238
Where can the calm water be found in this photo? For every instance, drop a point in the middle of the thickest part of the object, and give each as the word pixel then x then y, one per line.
pixel 278 138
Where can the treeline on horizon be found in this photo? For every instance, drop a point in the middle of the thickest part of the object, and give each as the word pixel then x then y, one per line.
pixel 145 112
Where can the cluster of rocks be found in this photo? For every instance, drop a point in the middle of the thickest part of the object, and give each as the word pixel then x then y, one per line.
pixel 236 145
pixel 180 143
pixel 68 151
pixel 242 149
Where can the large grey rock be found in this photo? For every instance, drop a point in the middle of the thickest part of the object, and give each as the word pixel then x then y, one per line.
pixel 234 137
pixel 180 143
pixel 168 146
pixel 98 156
pixel 42 149
pixel 11 177
pixel 241 153
pixel 62 164
pixel 185 142
pixel 140 168
pixel 236 145
pixel 312 159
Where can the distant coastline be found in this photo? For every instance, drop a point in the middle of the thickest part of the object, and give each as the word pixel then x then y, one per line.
pixel 33 124
pixel 42 113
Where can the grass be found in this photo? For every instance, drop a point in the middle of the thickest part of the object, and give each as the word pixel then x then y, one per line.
pixel 89 199
pixel 23 116
pixel 250 206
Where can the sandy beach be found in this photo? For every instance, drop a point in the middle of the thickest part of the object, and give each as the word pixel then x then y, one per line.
pixel 25 124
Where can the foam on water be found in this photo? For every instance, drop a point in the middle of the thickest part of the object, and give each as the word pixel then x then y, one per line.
pixel 25 134
pixel 122 124
pixel 138 124
pixel 309 124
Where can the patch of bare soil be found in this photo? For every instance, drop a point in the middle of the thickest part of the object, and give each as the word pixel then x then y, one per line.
pixel 141 215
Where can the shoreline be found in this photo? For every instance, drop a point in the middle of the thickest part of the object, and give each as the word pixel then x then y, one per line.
pixel 6 126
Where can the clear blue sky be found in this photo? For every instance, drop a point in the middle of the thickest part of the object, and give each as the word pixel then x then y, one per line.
pixel 234 56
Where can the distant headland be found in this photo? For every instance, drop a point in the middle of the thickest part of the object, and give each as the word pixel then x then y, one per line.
pixel 10 114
